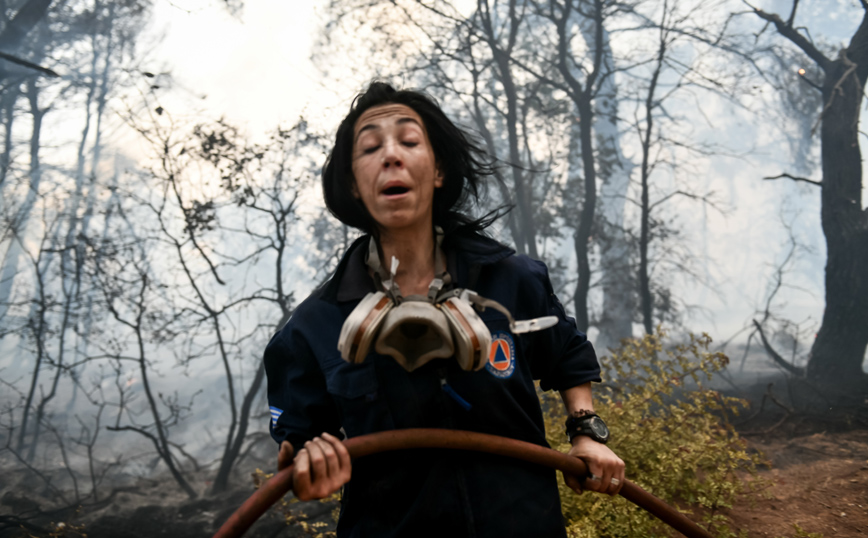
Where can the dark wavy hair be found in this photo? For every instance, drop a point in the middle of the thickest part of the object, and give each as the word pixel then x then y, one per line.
pixel 464 165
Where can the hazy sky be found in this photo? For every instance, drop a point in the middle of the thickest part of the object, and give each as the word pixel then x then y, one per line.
pixel 253 68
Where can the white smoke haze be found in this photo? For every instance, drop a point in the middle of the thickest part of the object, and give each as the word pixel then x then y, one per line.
pixel 89 267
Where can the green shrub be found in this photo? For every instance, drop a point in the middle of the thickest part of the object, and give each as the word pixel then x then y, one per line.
pixel 673 435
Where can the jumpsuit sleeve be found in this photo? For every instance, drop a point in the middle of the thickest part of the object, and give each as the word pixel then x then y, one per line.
pixel 562 355
pixel 300 406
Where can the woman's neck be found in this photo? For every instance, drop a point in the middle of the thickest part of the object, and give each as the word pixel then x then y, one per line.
pixel 415 252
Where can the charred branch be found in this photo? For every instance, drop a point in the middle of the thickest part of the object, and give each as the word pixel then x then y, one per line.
pixel 795 370
pixel 769 395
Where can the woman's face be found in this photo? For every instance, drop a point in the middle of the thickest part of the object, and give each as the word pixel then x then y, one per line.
pixel 394 167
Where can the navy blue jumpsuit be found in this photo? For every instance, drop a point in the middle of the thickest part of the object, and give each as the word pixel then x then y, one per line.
pixel 433 493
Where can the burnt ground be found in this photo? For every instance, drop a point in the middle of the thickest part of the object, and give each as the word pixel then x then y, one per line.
pixel 816 444
pixel 818 482
pixel 154 508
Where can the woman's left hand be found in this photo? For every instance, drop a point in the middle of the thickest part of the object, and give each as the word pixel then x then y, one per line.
pixel 605 467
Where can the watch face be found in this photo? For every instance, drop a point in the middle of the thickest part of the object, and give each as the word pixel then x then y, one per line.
pixel 599 427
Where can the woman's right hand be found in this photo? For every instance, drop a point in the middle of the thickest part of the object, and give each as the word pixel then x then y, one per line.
pixel 319 469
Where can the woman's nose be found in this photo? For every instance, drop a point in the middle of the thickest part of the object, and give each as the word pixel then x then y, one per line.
pixel 391 156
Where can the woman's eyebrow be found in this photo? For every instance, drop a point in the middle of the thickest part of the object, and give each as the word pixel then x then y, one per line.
pixel 408 119
pixel 374 126
pixel 368 127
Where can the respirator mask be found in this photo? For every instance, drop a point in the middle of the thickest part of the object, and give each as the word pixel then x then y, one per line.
pixel 416 329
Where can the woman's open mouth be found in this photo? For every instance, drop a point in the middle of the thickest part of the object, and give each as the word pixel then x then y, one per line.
pixel 395 190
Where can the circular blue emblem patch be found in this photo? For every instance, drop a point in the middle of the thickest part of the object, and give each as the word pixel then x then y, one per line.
pixel 501 357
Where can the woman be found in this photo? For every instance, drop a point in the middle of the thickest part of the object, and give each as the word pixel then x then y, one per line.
pixel 399 171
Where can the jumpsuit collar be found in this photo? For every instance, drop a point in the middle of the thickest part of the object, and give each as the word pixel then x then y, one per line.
pixel 351 281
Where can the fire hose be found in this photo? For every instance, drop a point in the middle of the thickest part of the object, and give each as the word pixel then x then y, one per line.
pixel 278 485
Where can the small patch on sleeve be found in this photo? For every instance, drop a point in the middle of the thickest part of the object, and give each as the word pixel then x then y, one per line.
pixel 501 358
pixel 275 414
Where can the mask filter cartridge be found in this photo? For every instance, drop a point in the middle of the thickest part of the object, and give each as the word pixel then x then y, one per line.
pixel 416 329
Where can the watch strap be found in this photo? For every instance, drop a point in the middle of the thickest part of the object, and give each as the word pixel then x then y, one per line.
pixel 578 425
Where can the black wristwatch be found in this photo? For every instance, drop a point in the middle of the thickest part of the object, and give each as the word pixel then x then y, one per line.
pixel 591 425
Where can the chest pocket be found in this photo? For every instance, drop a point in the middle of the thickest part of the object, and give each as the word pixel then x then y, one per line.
pixel 355 389
pixel 351 381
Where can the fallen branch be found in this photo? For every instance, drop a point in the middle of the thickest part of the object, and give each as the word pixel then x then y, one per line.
pixel 795 370
pixel 777 424
pixel 767 396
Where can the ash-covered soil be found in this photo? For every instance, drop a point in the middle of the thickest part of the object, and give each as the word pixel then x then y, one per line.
pixel 818 482
pixel 149 508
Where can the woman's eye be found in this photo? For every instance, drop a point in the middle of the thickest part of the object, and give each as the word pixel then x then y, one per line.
pixel 410 144
pixel 370 149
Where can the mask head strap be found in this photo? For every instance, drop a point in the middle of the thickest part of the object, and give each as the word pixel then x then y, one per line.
pixel 517 327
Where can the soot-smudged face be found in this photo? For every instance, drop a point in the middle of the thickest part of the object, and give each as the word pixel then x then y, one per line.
pixel 394 167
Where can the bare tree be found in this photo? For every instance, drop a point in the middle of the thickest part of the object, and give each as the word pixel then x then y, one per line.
pixel 128 287
pixel 839 349
pixel 266 181
pixel 13 40
pixel 516 69
pixel 16 221
pixel 615 320
pixel 103 33
pixel 674 17
pixel 580 82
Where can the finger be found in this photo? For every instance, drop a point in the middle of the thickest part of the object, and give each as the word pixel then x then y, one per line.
pixel 615 486
pixel 611 469
pixel 301 475
pixel 284 455
pixel 333 466
pixel 573 483
pixel 621 475
pixel 318 465
pixel 592 481
pixel 343 454
pixel 616 482
pixel 606 479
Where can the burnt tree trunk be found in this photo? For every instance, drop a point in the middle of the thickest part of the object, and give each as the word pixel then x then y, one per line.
pixel 839 349
pixel 582 237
